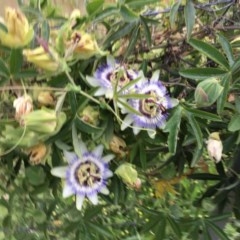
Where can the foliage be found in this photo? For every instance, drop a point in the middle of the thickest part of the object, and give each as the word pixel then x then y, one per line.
pixel 53 98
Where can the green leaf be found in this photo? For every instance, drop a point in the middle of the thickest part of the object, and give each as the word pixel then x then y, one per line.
pixel 189 14
pixel 196 129
pixel 93 6
pixel 39 216
pixel 203 114
pixel 153 221
pixel 35 175
pixel 161 227
pixel 133 152
pixel 29 73
pixel 107 12
pixel 236 70
pixel 234 124
pixel 139 3
pixel 175 226
pixel 76 142
pixel 142 155
pixel 196 156
pixel 206 234
pixel 221 217
pixel 219 232
pixel 201 73
pixel 4 71
pixel 146 31
pixel 226 48
pixel 210 51
pixel 222 99
pixel 133 40
pixel 173 14
pixel 129 108
pixel 173 127
pixel 86 127
pixel 120 33
pixel 16 59
pixel 128 15
pixel 99 229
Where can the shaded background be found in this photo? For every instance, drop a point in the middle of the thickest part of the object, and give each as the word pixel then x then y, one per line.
pixel 65 6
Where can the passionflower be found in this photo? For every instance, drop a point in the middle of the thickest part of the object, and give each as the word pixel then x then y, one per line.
pixel 152 109
pixel 85 176
pixel 110 77
pixel 19 32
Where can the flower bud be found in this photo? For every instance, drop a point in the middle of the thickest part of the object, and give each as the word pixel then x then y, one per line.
pixel 90 115
pixel 43 120
pixel 46 98
pixel 82 46
pixel 118 146
pixel 215 147
pixel 45 58
pixel 138 184
pixel 128 174
pixel 23 106
pixel 19 32
pixel 207 92
pixel 37 154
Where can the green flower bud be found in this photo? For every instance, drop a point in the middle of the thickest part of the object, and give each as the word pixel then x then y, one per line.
pixel 128 174
pixel 90 115
pixel 44 120
pixel 207 92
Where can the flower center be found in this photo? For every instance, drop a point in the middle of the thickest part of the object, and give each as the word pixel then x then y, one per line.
pixel 87 174
pixel 119 77
pixel 152 106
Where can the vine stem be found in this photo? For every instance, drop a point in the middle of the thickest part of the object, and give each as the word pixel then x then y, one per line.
pixel 7 88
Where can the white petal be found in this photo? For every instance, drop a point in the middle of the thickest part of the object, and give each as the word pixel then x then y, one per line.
pixel 70 156
pixel 92 81
pixel 108 158
pixel 126 122
pixel 174 102
pixel 59 172
pixel 93 198
pixel 151 133
pixel 155 76
pixel 104 191
pixel 98 151
pixel 108 174
pixel 111 61
pixel 79 201
pixel 109 93
pixel 136 130
pixel 100 92
pixel 141 78
pixel 67 191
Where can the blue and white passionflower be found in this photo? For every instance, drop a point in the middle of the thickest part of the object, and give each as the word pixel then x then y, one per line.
pixel 86 176
pixel 108 75
pixel 152 110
